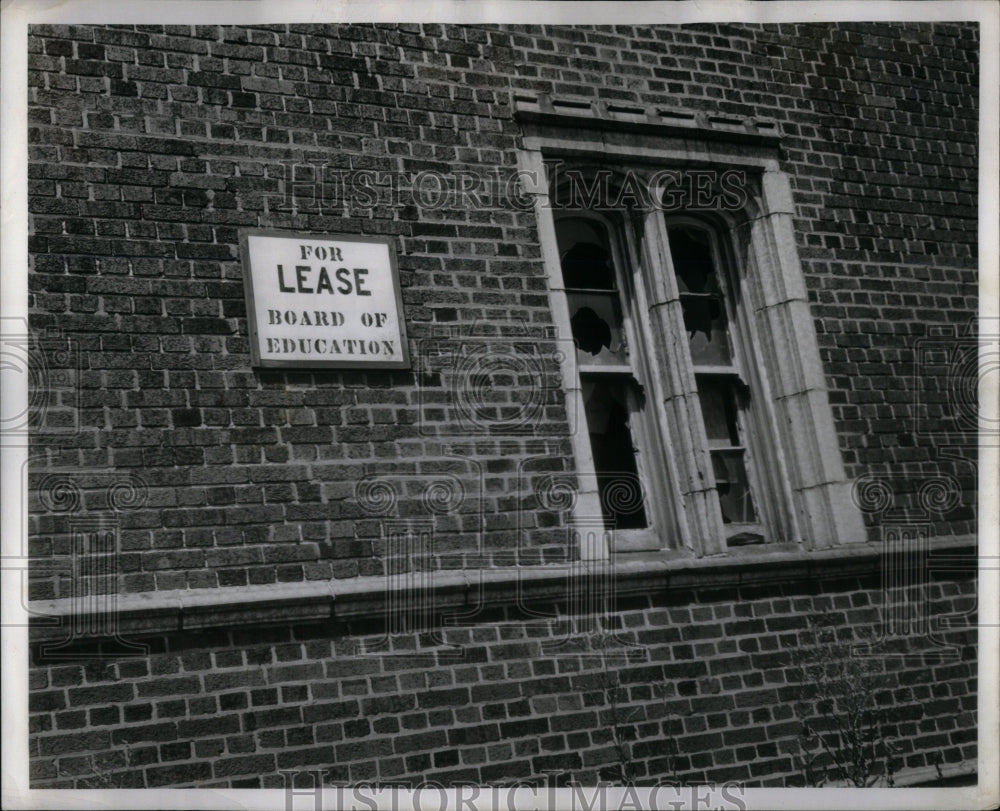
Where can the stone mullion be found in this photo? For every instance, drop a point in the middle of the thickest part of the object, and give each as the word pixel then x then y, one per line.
pixel 677 391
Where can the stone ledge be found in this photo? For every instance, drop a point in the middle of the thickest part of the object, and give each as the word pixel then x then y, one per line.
pixel 638 574
pixel 569 111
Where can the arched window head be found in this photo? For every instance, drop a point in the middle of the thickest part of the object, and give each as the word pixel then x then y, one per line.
pixel 586 260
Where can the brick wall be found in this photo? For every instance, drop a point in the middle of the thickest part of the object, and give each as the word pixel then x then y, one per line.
pixel 702 684
pixel 152 146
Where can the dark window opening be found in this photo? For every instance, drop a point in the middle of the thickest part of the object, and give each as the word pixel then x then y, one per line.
pixel 614 453
pixel 587 266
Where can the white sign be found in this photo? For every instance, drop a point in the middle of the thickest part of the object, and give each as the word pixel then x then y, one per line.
pixel 323 301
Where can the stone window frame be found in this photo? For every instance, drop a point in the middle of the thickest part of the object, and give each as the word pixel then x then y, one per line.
pixel 820 512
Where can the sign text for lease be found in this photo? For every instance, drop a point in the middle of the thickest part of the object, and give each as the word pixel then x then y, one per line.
pixel 325 302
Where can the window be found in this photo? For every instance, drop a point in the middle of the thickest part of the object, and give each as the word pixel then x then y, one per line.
pixel 590 273
pixel 603 294
pixel 697 369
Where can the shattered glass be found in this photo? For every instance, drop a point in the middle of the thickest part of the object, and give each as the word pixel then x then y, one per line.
pixel 701 298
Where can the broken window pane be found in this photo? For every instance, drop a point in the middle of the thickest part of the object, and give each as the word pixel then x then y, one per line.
pixel 705 323
pixel 611 444
pixel 591 291
pixel 718 408
pixel 733 487
pixel 701 297
pixel 596 320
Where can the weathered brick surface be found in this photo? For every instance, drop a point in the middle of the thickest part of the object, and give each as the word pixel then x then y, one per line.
pixel 152 146
pixel 453 708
